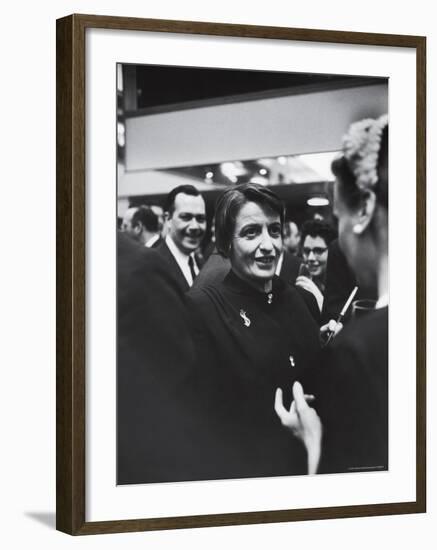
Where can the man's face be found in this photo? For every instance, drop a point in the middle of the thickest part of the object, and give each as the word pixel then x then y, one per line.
pixel 187 224
pixel 292 238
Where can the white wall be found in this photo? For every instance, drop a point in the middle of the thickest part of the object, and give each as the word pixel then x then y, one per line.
pixel 254 129
pixel 27 299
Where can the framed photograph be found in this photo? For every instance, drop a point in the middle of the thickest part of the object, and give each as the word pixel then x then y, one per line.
pixel 237 341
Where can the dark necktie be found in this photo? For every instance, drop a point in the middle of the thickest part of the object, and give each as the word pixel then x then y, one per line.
pixel 191 265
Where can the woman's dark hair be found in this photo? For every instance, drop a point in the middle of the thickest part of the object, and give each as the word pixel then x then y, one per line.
pixel 229 205
pixel 318 228
pixel 350 192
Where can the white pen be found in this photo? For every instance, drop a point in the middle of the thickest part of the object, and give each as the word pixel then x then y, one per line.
pixel 330 333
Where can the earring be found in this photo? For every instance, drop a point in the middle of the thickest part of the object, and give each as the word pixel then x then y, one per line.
pixel 357 228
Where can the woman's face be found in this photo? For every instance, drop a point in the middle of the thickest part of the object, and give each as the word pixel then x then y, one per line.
pixel 257 244
pixel 315 254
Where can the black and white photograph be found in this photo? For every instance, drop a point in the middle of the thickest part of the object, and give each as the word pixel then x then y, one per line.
pixel 219 333
pixel 252 273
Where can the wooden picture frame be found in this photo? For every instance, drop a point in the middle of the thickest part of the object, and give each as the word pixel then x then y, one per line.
pixel 71 272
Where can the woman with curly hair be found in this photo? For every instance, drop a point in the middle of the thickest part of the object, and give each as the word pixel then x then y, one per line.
pixel 353 384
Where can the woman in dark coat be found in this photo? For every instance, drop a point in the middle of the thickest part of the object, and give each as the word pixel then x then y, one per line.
pixel 353 385
pixel 252 333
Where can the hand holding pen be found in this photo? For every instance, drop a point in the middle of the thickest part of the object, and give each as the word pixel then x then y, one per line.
pixel 334 325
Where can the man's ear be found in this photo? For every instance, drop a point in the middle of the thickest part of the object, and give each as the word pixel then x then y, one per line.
pixel 365 212
pixel 166 216
pixel 138 228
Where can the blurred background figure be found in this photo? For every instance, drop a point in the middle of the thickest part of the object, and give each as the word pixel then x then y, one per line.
pixel 291 237
pixel 142 225
pixel 316 236
pixel 315 240
pixel 159 212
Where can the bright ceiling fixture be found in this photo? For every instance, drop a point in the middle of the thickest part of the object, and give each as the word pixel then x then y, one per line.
pixel 232 170
pixel 318 201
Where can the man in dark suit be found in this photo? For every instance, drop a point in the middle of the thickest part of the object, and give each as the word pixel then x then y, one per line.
pixel 142 224
pixel 186 226
pixel 288 267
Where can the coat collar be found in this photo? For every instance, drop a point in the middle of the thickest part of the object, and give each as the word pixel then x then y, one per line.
pixel 236 284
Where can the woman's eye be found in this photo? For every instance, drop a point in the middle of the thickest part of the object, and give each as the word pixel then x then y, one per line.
pixel 275 231
pixel 251 232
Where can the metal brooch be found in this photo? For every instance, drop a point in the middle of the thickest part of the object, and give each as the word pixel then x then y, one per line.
pixel 245 318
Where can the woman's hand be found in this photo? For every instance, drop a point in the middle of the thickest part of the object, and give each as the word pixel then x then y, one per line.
pixel 303 422
pixel 308 285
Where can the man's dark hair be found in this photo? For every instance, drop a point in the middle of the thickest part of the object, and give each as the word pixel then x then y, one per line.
pixel 317 228
pixel 148 218
pixel 171 197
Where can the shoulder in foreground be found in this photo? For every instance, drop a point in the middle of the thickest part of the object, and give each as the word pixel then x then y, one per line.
pixel 360 333
pixel 201 305
pixel 203 294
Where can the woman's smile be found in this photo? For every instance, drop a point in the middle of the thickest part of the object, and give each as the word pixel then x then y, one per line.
pixel 265 261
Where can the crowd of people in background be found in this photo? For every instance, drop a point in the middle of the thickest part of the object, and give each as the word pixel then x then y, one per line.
pixel 213 337
pixel 302 260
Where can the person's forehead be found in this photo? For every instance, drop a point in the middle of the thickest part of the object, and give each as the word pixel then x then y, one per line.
pixel 157 209
pixel 251 212
pixel 314 241
pixel 189 203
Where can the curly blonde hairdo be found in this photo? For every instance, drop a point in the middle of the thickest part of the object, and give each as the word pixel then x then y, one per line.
pixel 363 164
